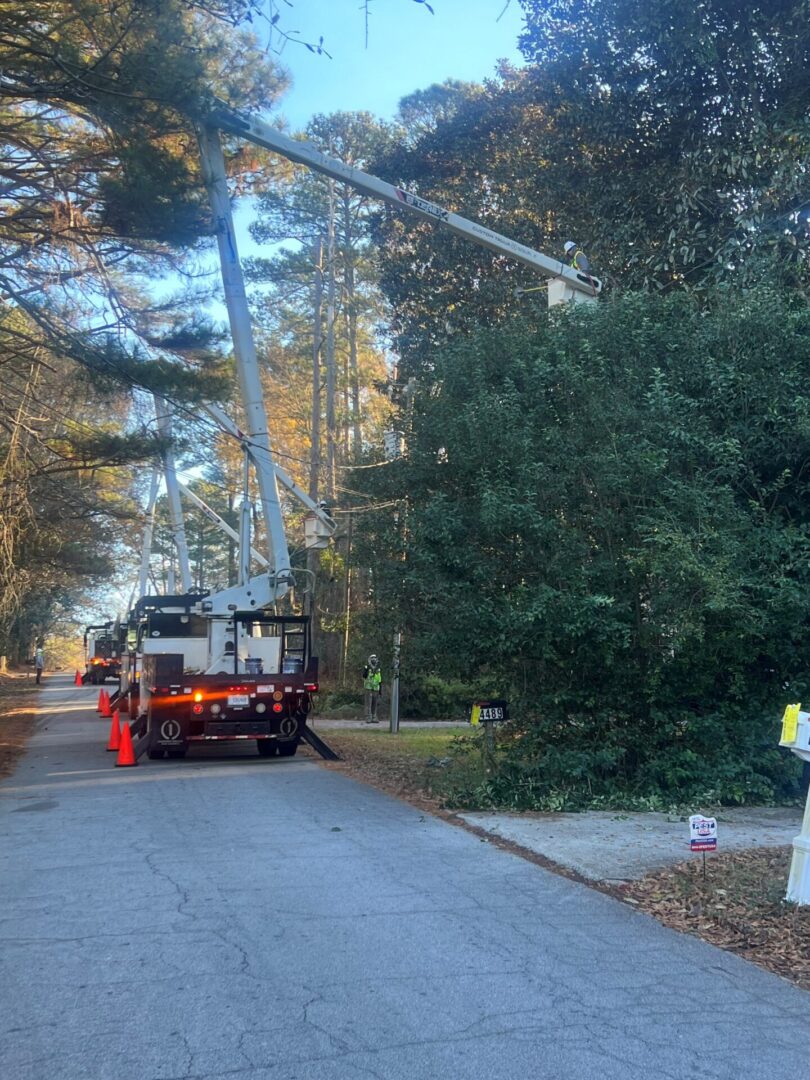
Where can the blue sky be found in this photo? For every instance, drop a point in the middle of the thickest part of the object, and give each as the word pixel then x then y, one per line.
pixel 408 49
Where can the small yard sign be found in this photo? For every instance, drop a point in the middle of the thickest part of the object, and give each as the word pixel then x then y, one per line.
pixel 702 833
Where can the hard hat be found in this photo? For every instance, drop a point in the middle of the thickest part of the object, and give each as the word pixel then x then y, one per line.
pixel 568 245
pixel 373 658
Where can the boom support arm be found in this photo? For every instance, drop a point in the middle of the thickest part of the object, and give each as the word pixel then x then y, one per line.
pixel 256 131
pixel 221 523
pixel 247 365
pixel 221 417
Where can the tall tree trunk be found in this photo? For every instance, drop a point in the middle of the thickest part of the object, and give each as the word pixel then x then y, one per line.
pixel 313 554
pixel 317 339
pixel 331 371
pixel 351 319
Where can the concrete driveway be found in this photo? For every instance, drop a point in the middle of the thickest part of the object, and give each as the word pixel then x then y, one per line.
pixel 616 846
pixel 230 916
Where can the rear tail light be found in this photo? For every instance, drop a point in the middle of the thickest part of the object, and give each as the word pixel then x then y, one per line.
pixel 312 687
pixel 196 709
pixel 277 707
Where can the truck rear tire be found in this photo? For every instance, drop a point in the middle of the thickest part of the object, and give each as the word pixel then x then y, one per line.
pixel 267 747
pixel 287 749
pixel 176 753
pixel 155 754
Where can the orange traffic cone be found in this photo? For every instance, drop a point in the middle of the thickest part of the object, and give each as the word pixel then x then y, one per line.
pixel 115 732
pixel 100 706
pixel 126 754
pixel 106 711
pixel 78 679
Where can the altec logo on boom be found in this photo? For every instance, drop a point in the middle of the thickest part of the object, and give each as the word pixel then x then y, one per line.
pixel 423 205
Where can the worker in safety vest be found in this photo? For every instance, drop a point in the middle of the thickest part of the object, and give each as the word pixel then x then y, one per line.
pixel 372 684
pixel 577 259
pixel 39 662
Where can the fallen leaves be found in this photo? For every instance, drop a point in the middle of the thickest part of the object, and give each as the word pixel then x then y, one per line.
pixel 16 720
pixel 740 907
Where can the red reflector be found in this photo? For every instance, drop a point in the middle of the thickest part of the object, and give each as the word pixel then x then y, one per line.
pixel 312 687
pixel 278 707
pixel 196 709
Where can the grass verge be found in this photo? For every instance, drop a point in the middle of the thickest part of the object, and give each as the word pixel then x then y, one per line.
pixel 411 765
pixel 17 717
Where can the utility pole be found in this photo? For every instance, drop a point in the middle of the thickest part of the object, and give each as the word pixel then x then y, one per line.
pixel 409 394
pixel 347 601
pixel 393 725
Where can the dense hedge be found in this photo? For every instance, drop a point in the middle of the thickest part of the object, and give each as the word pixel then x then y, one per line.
pixel 607 520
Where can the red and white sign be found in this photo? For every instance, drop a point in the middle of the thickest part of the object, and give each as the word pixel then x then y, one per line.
pixel 702 833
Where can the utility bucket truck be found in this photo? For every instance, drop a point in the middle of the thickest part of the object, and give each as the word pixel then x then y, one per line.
pixel 102 657
pixel 228 666
pixel 259 687
pixel 224 666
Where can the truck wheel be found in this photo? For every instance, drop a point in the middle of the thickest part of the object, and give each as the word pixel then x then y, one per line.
pixel 155 754
pixel 176 753
pixel 267 747
pixel 287 749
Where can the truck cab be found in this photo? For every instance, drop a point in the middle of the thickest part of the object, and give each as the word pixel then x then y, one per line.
pixel 137 635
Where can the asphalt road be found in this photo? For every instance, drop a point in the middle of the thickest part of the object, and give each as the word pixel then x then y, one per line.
pixel 230 916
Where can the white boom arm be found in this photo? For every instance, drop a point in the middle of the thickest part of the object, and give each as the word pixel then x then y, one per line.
pixel 146 547
pixel 164 425
pixel 247 365
pixel 256 131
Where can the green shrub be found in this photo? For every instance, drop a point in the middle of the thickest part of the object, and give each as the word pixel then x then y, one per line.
pixel 725 758
pixel 609 509
pixel 340 698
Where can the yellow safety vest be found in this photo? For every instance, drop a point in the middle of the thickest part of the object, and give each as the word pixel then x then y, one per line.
pixel 574 258
pixel 373 681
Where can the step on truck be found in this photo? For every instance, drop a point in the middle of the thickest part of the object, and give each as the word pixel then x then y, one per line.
pixel 260 687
